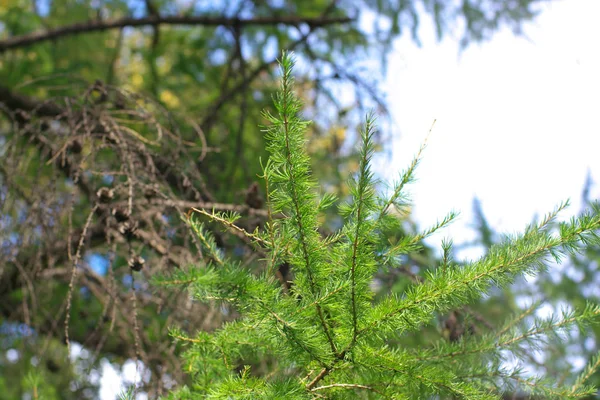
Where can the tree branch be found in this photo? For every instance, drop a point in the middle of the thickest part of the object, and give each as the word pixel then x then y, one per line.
pixel 24 107
pixel 17 102
pixel 155 20
pixel 212 113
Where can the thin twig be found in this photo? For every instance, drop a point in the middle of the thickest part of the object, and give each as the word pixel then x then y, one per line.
pixel 74 275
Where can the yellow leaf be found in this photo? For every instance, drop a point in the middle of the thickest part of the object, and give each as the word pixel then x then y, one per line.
pixel 168 98
pixel 137 80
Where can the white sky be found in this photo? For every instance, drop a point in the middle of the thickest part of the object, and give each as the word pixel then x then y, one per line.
pixel 517 123
pixel 517 118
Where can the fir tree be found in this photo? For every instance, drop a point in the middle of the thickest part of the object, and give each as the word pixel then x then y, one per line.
pixel 327 335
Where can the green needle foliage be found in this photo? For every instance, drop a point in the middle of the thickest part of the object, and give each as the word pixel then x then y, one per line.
pixel 328 335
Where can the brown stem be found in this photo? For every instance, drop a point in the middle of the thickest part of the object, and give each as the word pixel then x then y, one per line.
pixel 155 20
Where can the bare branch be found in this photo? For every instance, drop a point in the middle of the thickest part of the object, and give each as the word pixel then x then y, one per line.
pixel 155 20
pixel 212 113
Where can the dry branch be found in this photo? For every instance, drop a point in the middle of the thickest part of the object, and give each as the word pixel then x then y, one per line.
pixel 153 20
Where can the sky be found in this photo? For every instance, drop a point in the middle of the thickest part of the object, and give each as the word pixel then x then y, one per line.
pixel 517 124
pixel 517 119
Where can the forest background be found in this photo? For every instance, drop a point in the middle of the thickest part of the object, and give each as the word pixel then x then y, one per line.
pixel 214 78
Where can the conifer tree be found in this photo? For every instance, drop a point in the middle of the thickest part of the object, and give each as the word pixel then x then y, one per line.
pixel 327 335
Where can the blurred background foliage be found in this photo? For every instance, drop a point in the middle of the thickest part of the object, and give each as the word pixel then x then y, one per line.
pixel 117 116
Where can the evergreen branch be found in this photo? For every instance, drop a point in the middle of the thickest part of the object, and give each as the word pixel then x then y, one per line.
pixel 270 225
pixel 454 388
pixel 557 394
pixel 515 321
pixel 346 386
pixel 173 282
pixel 531 384
pixel 364 198
pixel 407 176
pixel 590 369
pixel 295 164
pixel 187 339
pixel 219 298
pixel 430 376
pixel 229 223
pixel 206 240
pixel 288 328
pixel 487 344
pixel 446 254
pixel 411 242
pixel 293 178
pixel 187 204
pixel 498 266
pixel 178 277
pixel 447 220
pixel 543 329
pixel 155 20
pixel 322 374
pixel 551 216
pixel 320 299
pixel 333 306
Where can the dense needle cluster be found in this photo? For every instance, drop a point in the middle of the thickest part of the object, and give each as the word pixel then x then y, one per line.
pixel 329 336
